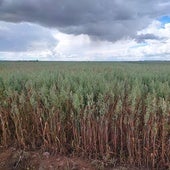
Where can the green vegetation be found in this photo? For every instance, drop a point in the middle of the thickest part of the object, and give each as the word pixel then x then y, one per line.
pixel 100 110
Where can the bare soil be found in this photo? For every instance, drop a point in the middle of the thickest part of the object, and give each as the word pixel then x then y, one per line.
pixel 13 159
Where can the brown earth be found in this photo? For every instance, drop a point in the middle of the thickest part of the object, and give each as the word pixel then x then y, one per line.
pixel 13 159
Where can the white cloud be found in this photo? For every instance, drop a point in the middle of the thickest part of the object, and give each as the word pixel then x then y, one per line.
pixel 83 48
pixel 21 37
pixel 156 49
pixel 28 55
pixel 157 28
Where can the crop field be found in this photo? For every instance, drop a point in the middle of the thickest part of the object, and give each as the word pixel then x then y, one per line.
pixel 111 111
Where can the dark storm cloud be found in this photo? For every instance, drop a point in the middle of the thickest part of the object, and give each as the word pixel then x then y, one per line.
pixel 24 37
pixel 104 19
pixel 143 37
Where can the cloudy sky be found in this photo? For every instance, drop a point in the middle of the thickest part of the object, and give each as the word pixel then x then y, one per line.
pixel 112 30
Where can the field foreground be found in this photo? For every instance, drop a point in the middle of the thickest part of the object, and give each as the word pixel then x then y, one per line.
pixel 115 113
pixel 12 159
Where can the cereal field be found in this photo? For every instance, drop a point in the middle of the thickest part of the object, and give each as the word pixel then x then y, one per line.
pixel 115 112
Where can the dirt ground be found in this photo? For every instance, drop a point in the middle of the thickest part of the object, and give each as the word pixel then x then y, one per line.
pixel 12 159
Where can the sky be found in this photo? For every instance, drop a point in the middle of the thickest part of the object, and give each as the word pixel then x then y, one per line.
pixel 85 30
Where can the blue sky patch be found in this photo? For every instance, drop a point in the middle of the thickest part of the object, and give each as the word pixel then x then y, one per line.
pixel 164 20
